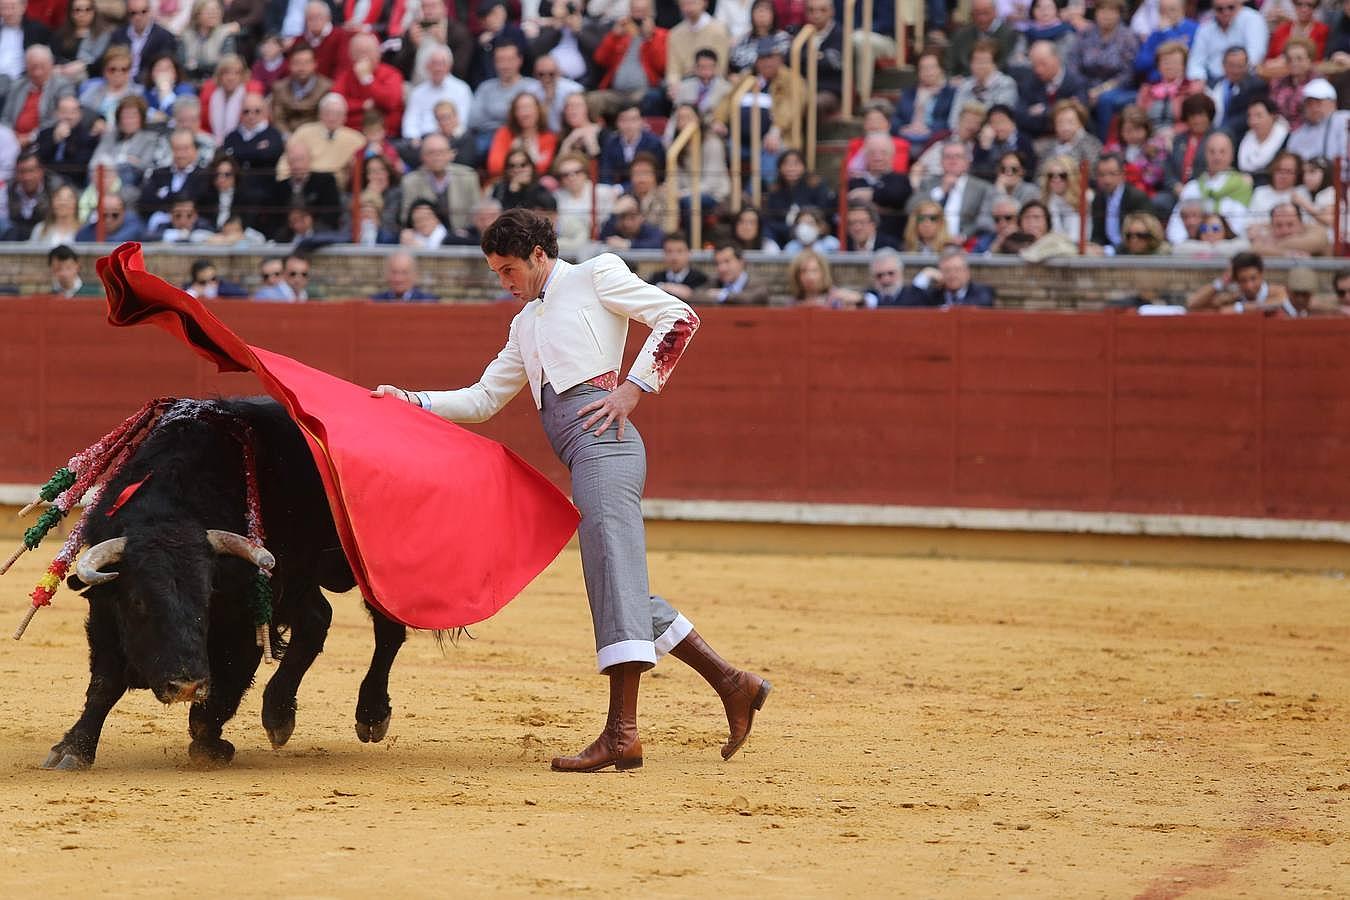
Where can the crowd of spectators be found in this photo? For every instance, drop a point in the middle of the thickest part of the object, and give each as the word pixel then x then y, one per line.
pixel 1038 129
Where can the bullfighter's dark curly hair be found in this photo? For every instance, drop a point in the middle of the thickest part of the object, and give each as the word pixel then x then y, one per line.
pixel 517 232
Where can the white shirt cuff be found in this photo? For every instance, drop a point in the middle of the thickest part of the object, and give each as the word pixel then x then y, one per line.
pixel 646 388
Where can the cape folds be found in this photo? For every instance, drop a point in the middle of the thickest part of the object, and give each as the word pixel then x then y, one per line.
pixel 441 526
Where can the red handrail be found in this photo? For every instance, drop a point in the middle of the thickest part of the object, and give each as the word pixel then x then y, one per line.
pixel 100 188
pixel 1082 206
pixel 358 170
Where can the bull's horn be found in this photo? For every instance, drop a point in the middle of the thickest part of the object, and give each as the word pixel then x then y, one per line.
pixel 237 545
pixel 91 562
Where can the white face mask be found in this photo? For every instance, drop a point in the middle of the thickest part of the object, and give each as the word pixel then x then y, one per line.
pixel 806 233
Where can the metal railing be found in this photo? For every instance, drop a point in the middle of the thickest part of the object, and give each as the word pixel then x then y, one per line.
pixel 868 63
pixel 846 91
pixel 756 183
pixel 691 134
pixel 800 103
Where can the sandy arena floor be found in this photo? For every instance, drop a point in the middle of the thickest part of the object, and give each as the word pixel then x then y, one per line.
pixel 938 728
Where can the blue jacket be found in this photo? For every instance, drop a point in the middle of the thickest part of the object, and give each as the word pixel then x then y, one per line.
pixel 416 295
pixel 131 229
pixel 938 116
pixel 1146 62
pixel 613 169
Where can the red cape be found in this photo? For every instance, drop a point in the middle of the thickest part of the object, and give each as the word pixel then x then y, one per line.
pixel 441 526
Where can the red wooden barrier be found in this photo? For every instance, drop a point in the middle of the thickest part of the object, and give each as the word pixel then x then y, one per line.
pixel 1212 415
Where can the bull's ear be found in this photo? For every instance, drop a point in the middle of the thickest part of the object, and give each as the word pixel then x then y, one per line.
pixel 74 583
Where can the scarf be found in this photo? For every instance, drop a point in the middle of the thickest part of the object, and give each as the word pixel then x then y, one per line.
pixel 225 110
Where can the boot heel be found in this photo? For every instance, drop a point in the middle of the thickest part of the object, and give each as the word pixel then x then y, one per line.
pixel 762 695
pixel 624 765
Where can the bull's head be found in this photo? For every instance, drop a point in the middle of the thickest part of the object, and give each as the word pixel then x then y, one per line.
pixel 161 600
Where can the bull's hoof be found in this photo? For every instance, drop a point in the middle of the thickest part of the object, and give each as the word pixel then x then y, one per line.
pixel 210 753
pixel 373 734
pixel 66 760
pixel 279 733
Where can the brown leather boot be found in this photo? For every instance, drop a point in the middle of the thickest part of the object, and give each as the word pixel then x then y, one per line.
pixel 618 744
pixel 742 692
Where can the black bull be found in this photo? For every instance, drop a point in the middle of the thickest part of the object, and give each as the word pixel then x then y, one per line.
pixel 177 618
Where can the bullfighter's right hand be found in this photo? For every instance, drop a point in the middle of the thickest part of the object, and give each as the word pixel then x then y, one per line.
pixel 388 390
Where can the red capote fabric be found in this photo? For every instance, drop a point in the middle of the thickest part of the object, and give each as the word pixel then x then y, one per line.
pixel 441 526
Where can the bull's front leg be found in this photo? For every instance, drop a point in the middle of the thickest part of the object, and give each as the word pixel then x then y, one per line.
pixel 309 630
pixel 107 684
pixel 372 704
pixel 234 656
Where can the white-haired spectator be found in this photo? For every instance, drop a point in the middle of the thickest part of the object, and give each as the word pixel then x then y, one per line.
pixel 329 42
pixel 329 141
pixel 963 197
pixel 451 187
pixel 30 104
pixel 1223 188
pixel 1233 25
pixel 295 98
pixel 888 283
pixel 368 83
pixel 419 116
pixel 556 87
pixel 187 113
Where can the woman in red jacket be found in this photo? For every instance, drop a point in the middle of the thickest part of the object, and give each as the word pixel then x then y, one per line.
pixel 526 129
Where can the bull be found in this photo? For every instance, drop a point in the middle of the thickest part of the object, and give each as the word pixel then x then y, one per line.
pixel 170 580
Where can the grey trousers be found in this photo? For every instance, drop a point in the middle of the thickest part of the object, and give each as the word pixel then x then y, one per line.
pixel 631 624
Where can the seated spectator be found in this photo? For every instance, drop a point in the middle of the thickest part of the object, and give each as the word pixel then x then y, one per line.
pixel 795 187
pixel 863 236
pixel 558 85
pixel 1338 40
pixel 1104 55
pixel 1266 135
pixel 28 197
pixel 375 143
pixel 1071 138
pixel 704 88
pixel 147 39
pixel 1142 235
pixel 1286 186
pixel 696 30
pixel 1233 25
pixel 520 187
pixel 924 110
pixel 1301 284
pixel 1234 93
pixel 30 104
pixel 1323 132
pixel 234 234
pixel 207 40
pixel 1172 25
pixel 223 97
pixel 185 225
pixel 318 191
pixel 270 269
pixel 1304 26
pixel 370 84
pixel 810 232
pixel 130 149
pixel 164 87
pixel 223 198
pixel 80 42
pixel 998 136
pixel 205 283
pixel 986 85
pixel 1049 82
pixel 492 98
pixel 66 146
pixel 964 199
pixel 575 196
pixel 1187 157
pixel 888 284
pixel 710 164
pixel 1045 25
pixel 747 232
pixel 526 129
pixel 1216 238
pixel 763 24
pixel 1317 182
pixel 1241 287
pixel 400 278
pixel 1145 154
pixel 1061 191
pixel 119 226
pixel 876 120
pixel 381 181
pixel 330 142
pixel 419 116
pixel 64 266
pixel 462 143
pixel 927 229
pixel 950 283
pixel 580 132
pixel 453 188
pixel 631 138
pixel 495 29
pixel 1286 233
pixel 1003 211
pixel 187 114
pixel 62 222
pixel 292 286
pixel 271 64
pixel 102 95
pixel 735 285
pixel 811 284
pixel 1010 180
pixel 986 24
pixel 300 230
pixel 1164 98
pixel 181 178
pixel 1224 189
pixel 968 126
pixel 777 91
pixel 679 278
pixel 295 98
pixel 1287 91
pixel 626 230
pixel 631 60
pixel 1113 202
pixel 328 43
pixel 1034 219
pixel 829 43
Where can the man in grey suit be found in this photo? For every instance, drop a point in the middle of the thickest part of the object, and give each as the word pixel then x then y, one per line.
pixel 451 187
pixel 965 199
pixel 40 78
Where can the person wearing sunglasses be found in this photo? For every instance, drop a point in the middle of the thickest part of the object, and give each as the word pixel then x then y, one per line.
pixel 291 281
pixel 144 37
pixel 1214 237
pixel 1233 25
pixel 81 40
pixel 1341 285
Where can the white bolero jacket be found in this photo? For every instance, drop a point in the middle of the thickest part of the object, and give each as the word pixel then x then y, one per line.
pixel 575 333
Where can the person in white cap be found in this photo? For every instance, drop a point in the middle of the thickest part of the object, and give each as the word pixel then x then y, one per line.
pixel 1323 132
